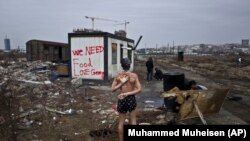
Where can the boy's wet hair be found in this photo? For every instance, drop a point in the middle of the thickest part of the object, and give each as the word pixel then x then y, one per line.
pixel 125 63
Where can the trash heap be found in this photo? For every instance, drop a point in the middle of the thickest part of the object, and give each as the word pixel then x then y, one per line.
pixel 37 104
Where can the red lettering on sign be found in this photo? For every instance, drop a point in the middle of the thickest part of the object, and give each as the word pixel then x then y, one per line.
pixel 77 52
pixel 93 50
pixel 86 64
pixel 99 49
pixel 84 72
pixel 94 72
pixel 74 65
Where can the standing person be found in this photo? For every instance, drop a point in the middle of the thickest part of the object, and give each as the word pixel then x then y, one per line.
pixel 129 85
pixel 150 67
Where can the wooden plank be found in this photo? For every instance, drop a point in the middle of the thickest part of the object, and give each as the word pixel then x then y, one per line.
pixel 208 101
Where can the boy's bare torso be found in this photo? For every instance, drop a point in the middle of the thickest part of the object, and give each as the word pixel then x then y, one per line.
pixel 130 84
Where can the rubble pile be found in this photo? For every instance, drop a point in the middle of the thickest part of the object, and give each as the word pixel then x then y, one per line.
pixel 37 104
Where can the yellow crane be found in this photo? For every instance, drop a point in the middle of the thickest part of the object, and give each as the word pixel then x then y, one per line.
pixel 96 18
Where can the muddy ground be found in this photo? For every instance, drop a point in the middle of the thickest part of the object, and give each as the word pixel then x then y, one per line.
pixel 220 72
pixel 35 106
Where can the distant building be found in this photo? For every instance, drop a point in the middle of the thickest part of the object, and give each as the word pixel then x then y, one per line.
pixel 47 51
pixel 245 43
pixel 7 44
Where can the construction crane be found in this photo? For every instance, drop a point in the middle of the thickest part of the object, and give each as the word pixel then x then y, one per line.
pixel 125 24
pixel 96 18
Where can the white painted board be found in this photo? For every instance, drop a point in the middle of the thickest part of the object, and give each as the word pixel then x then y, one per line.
pixel 87 57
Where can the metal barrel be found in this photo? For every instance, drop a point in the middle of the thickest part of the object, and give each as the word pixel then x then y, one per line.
pixel 171 80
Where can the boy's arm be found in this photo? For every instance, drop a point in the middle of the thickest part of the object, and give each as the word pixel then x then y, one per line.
pixel 115 84
pixel 137 88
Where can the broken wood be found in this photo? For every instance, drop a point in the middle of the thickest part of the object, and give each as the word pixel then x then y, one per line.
pixel 207 102
pixel 199 113
pixel 67 112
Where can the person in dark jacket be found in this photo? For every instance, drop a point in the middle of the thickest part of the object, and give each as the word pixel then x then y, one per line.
pixel 158 74
pixel 150 68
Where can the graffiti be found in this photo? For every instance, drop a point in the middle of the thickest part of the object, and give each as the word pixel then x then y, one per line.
pixel 77 52
pixel 93 50
pixel 84 72
pixel 85 68
pixel 89 50
pixel 86 59
pixel 91 72
pixel 94 72
pixel 86 64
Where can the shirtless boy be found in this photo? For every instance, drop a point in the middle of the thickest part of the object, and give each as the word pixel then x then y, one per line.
pixel 129 85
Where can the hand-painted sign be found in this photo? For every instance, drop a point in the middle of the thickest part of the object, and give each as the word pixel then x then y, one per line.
pixel 87 57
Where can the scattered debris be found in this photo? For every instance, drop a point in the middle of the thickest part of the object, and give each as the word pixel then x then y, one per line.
pixel 149 106
pixel 149 101
pixel 100 133
pixel 2 120
pixel 28 113
pixel 67 112
pixel 234 98
pixel 35 82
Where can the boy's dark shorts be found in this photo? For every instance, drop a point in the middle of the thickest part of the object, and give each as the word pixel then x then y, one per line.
pixel 127 104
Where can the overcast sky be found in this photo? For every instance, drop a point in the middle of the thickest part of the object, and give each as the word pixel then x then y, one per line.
pixel 158 21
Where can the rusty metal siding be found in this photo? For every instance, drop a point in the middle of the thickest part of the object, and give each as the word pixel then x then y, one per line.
pixel 56 53
pixel 50 53
pixel 28 49
pixel 47 51
pixel 65 53
pixel 33 50
pixel 40 51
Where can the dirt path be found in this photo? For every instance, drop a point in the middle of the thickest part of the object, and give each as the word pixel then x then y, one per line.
pixel 232 112
pixel 238 87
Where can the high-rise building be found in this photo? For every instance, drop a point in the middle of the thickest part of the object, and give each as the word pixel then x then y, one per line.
pixel 7 44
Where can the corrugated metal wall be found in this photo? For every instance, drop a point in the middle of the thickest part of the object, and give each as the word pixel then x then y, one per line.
pixel 65 53
pixel 46 51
